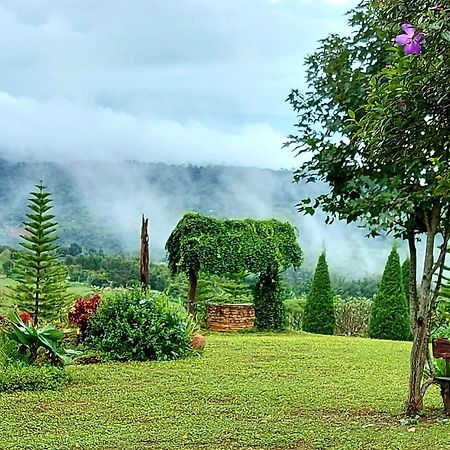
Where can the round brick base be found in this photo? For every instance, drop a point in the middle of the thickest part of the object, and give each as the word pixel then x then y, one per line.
pixel 229 317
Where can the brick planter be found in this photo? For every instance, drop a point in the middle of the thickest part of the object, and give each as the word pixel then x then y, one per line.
pixel 229 317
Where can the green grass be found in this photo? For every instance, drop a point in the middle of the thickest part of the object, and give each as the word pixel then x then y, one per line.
pixel 75 289
pixel 247 391
pixel 5 301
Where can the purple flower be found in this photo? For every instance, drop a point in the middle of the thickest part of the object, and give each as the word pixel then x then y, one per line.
pixel 411 44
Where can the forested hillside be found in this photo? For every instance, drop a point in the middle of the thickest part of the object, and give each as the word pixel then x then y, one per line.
pixel 99 205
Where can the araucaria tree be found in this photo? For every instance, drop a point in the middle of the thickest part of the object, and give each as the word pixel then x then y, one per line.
pixel 319 314
pixel 41 288
pixel 390 316
pixel 374 126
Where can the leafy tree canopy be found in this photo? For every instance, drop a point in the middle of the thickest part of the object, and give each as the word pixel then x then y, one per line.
pixel 220 246
pixel 366 96
pixel 374 124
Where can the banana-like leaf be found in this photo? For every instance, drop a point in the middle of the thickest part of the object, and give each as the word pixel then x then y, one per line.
pixel 47 337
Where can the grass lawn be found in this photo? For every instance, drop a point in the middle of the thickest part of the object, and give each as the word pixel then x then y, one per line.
pixel 75 289
pixel 5 301
pixel 247 391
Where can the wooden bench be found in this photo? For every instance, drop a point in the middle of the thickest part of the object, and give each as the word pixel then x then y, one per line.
pixel 441 349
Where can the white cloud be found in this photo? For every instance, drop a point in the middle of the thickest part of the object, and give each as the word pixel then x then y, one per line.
pixel 75 132
pixel 339 2
pixel 220 69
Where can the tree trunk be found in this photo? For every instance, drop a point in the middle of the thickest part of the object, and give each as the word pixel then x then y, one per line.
pixel 421 323
pixel 36 300
pixel 145 256
pixel 192 290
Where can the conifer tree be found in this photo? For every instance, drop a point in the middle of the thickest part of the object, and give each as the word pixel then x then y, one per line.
pixel 319 316
pixel 405 277
pixel 41 289
pixel 390 315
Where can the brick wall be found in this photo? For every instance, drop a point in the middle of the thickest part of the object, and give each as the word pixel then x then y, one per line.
pixel 228 317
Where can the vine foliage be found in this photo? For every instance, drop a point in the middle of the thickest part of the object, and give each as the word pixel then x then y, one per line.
pixel 220 246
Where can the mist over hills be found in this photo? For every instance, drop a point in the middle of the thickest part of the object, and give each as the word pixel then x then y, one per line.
pixel 99 205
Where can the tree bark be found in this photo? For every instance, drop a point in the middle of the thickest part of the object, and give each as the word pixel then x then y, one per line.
pixel 192 290
pixel 145 254
pixel 421 320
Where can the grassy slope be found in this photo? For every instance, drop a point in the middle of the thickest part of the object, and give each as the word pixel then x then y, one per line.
pixel 76 289
pixel 254 391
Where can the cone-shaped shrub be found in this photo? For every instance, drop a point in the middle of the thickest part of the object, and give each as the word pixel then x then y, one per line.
pixel 390 318
pixel 405 277
pixel 319 314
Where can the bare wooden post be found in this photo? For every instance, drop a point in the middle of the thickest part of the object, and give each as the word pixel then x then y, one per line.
pixel 145 253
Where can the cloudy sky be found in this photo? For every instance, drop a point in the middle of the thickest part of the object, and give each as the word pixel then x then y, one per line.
pixel 178 81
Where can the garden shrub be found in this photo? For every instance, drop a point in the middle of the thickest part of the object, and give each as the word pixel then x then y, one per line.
pixel 20 376
pixel 133 325
pixel 319 316
pixel 352 316
pixel 82 311
pixel 390 314
pixel 17 374
pixel 294 310
pixel 269 307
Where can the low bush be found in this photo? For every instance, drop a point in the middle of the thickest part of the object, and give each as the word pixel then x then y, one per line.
pixel 133 325
pixel 22 377
pixel 352 316
pixel 294 310
pixel 17 374
pixel 82 311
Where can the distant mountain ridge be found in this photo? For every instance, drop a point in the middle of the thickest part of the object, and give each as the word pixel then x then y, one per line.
pixel 99 205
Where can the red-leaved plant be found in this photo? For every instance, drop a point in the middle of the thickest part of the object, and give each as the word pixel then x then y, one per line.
pixel 82 311
pixel 26 318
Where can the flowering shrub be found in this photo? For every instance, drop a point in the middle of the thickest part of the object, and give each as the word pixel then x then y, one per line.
pixel 411 42
pixel 82 311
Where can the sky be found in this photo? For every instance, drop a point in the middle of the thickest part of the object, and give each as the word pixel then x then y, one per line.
pixel 176 81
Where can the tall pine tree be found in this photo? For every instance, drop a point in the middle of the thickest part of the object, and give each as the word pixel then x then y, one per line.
pixel 390 315
pixel 319 316
pixel 41 289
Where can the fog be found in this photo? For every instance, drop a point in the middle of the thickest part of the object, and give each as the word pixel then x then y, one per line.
pixel 113 197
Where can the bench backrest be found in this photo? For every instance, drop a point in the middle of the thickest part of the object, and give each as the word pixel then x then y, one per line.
pixel 441 349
